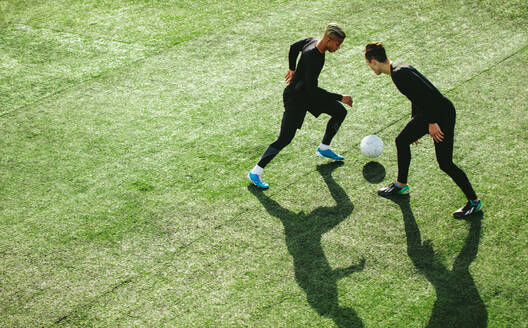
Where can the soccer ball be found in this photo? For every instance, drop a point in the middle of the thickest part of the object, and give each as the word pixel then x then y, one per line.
pixel 371 146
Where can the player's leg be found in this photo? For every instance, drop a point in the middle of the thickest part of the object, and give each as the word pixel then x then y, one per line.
pixel 413 131
pixel 444 156
pixel 291 121
pixel 337 113
pixel 289 125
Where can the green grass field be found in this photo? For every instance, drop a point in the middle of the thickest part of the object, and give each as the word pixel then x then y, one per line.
pixel 127 129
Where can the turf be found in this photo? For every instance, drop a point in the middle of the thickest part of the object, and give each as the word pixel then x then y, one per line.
pixel 128 127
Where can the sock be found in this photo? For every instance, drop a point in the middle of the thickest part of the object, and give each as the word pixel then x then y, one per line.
pixel 474 203
pixel 398 185
pixel 322 146
pixel 257 170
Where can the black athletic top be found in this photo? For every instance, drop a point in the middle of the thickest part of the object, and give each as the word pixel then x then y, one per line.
pixel 427 102
pixel 303 87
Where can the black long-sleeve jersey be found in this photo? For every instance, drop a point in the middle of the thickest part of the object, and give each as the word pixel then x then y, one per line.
pixel 303 88
pixel 427 102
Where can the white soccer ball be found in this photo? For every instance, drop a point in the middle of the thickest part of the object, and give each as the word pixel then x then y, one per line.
pixel 371 146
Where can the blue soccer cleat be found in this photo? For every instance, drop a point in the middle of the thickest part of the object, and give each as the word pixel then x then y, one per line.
pixel 257 181
pixel 328 154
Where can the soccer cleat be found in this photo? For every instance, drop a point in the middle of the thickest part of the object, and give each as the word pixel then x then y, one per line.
pixel 257 181
pixel 468 210
pixel 393 190
pixel 328 154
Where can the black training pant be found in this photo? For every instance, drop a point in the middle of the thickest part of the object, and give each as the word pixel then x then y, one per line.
pixel 293 119
pixel 417 128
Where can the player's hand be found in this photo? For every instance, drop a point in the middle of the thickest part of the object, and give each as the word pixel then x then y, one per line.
pixel 289 76
pixel 347 100
pixel 435 132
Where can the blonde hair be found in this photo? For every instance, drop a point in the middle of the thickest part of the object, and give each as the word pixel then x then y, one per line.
pixel 335 30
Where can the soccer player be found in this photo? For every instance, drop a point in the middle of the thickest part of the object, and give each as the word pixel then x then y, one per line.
pixel 431 113
pixel 302 94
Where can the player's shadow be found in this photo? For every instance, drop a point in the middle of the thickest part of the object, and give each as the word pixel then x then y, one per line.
pixel 458 303
pixel 303 233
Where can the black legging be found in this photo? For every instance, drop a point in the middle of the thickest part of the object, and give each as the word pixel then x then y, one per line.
pixel 416 129
pixel 292 120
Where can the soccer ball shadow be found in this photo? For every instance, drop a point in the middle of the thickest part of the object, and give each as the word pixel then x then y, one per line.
pixel 374 172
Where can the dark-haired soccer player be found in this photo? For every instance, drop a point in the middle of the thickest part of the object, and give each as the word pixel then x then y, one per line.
pixel 302 94
pixel 432 113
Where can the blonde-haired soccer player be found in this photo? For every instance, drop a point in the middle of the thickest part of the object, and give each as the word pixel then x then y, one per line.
pixel 302 94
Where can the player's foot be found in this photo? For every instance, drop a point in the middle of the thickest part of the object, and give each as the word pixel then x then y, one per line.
pixel 468 210
pixel 257 180
pixel 393 190
pixel 328 153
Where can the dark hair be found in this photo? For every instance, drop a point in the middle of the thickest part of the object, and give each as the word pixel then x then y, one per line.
pixel 375 50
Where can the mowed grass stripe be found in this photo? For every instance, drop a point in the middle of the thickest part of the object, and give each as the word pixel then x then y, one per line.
pixel 39 63
pixel 42 42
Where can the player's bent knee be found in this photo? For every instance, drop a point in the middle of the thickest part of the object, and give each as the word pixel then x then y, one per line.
pixel 446 166
pixel 399 142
